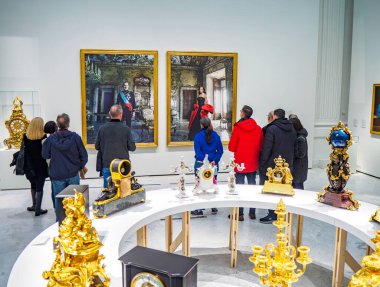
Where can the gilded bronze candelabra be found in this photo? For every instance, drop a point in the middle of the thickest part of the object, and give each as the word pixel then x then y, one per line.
pixel 369 275
pixel 276 265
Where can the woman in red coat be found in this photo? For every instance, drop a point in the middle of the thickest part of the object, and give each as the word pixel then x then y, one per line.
pixel 245 143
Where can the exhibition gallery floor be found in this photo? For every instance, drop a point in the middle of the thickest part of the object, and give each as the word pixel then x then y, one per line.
pixel 209 235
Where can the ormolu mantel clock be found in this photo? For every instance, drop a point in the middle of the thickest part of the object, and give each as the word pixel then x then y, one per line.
pixel 16 125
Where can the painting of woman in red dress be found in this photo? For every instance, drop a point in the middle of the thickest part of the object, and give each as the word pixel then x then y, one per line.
pixel 201 110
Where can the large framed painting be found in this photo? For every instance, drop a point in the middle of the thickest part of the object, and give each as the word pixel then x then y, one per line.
pixel 200 84
pixel 127 78
pixel 375 115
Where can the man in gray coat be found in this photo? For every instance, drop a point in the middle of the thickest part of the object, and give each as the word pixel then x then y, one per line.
pixel 114 140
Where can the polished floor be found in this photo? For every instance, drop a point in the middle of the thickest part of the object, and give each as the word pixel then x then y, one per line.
pixel 209 235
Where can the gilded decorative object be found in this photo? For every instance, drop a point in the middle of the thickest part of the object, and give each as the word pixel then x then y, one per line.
pixel 279 178
pixel 276 265
pixel 204 180
pixel 377 237
pixel 369 275
pixel 16 125
pixel 231 181
pixel 338 170
pixel 77 261
pixel 123 190
pixel 376 216
pixel 181 169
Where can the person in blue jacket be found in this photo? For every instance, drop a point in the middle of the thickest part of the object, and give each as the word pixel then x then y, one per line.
pixel 207 142
pixel 67 156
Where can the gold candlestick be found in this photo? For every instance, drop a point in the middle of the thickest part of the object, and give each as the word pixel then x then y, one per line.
pixel 276 265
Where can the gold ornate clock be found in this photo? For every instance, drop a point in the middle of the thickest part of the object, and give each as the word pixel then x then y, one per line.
pixel 279 178
pixel 16 125
pixel 146 279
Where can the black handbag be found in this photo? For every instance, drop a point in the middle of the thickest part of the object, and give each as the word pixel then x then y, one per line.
pixel 20 160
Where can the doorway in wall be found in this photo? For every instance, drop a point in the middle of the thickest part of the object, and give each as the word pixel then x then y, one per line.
pixel 188 99
pixel 217 96
pixel 104 99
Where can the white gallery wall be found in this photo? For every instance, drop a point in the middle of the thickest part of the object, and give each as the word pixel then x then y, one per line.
pixel 365 71
pixel 276 42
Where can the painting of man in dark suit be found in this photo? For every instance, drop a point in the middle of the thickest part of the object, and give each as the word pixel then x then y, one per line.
pixel 123 77
pixel 127 100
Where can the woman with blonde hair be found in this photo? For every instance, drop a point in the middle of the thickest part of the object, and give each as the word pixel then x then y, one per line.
pixel 35 167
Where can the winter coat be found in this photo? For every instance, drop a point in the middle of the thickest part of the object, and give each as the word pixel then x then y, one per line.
pixel 300 164
pixel 114 140
pixel 245 142
pixel 214 149
pixel 279 140
pixel 67 153
pixel 35 165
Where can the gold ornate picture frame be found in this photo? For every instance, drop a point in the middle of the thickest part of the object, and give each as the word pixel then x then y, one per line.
pixel 375 114
pixel 125 77
pixel 187 72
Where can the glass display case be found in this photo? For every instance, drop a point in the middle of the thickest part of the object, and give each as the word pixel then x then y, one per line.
pixel 31 108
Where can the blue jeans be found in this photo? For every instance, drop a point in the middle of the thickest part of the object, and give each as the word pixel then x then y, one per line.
pixel 251 178
pixel 106 173
pixel 59 185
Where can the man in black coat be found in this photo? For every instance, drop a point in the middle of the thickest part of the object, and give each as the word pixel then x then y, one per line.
pixel 126 99
pixel 279 140
pixel 114 140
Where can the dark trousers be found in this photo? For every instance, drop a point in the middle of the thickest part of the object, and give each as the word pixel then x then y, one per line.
pixel 251 179
pixel 37 183
pixel 263 178
pixel 298 185
pixel 128 117
pixel 37 188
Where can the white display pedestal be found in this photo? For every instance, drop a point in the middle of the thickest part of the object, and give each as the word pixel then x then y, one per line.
pixel 38 255
pixel 8 180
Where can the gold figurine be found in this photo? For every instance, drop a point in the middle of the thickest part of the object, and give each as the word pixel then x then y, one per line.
pixel 77 261
pixel 279 179
pixel 338 170
pixel 276 265
pixel 376 216
pixel 369 275
pixel 16 125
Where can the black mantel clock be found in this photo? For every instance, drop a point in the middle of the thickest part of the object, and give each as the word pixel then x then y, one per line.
pixel 153 268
